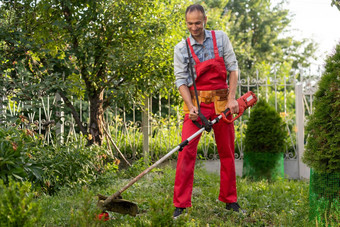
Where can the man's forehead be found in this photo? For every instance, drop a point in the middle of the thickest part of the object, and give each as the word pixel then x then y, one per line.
pixel 195 15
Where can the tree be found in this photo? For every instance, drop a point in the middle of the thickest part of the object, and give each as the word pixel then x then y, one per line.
pixel 336 3
pixel 322 149
pixel 257 31
pixel 102 50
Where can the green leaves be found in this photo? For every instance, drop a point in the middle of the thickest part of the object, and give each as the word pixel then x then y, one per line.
pixel 257 31
pixel 336 3
pixel 17 205
pixel 24 158
pixel 266 131
pixel 16 149
pixel 322 149
pixel 84 48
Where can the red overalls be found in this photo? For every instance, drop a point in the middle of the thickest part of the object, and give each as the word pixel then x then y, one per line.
pixel 211 75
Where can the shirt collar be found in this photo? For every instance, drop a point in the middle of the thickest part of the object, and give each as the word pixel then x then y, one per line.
pixel 207 36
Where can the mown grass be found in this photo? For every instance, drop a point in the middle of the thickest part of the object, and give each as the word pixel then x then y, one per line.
pixel 280 203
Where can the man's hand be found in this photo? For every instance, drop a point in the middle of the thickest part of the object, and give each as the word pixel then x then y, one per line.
pixel 193 115
pixel 233 106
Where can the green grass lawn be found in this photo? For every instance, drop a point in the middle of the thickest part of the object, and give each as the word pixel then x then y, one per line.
pixel 280 203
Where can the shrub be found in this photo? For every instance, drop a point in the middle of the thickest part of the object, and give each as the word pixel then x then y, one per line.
pixel 265 140
pixel 24 157
pixel 17 207
pixel 322 149
pixel 72 164
pixel 16 148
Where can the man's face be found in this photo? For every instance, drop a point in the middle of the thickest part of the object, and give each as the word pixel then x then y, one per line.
pixel 195 23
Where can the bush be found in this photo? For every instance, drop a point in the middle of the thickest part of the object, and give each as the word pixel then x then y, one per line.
pixel 265 141
pixel 322 149
pixel 16 148
pixel 72 164
pixel 17 207
pixel 24 157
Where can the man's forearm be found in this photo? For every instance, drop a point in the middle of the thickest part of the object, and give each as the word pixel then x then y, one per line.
pixel 233 79
pixel 185 93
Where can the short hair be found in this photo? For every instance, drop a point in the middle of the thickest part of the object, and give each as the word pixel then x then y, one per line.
pixel 195 7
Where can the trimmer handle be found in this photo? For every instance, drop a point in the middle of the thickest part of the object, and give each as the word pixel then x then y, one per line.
pixel 245 101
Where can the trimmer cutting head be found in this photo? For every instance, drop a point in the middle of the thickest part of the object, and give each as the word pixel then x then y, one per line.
pixel 118 205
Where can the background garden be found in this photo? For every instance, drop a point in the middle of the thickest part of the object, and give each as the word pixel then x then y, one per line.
pixel 75 73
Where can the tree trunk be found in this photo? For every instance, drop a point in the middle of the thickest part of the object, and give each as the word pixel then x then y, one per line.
pixel 96 118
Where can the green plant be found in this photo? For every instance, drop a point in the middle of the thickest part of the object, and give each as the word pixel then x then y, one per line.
pixel 136 168
pixel 265 130
pixel 165 136
pixel 161 212
pixel 323 142
pixel 280 203
pixel 72 164
pixel 86 213
pixel 322 149
pixel 265 142
pixel 17 205
pixel 324 212
pixel 24 157
pixel 16 149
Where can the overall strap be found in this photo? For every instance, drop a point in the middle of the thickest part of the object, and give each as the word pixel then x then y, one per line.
pixel 215 48
pixel 206 124
pixel 193 52
pixel 215 44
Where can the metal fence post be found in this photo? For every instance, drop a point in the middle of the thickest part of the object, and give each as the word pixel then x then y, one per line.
pixel 60 123
pixel 299 107
pixel 145 128
pixel 2 109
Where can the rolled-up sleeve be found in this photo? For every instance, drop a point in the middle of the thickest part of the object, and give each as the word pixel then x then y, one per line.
pixel 180 67
pixel 228 54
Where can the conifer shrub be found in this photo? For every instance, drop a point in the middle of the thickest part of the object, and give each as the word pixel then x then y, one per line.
pixel 322 153
pixel 323 143
pixel 265 141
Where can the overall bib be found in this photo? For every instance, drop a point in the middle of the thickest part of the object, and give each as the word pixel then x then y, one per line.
pixel 211 76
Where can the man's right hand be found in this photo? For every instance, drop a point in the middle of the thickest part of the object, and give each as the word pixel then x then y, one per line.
pixel 185 93
pixel 193 114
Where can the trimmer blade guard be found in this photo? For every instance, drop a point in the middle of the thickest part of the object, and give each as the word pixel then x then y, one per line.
pixel 121 206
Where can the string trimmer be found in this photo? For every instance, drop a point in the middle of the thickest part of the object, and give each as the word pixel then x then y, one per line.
pixel 115 203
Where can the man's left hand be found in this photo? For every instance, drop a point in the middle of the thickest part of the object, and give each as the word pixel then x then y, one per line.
pixel 233 106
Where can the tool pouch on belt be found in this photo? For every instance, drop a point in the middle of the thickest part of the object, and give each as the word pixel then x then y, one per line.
pixel 220 103
pixel 218 97
pixel 185 107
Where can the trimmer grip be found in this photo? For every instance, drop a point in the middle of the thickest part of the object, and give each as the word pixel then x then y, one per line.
pixel 225 115
pixel 247 100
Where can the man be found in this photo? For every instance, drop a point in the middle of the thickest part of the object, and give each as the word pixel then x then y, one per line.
pixel 212 56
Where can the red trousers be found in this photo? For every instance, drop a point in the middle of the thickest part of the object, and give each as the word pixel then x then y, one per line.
pixel 224 137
